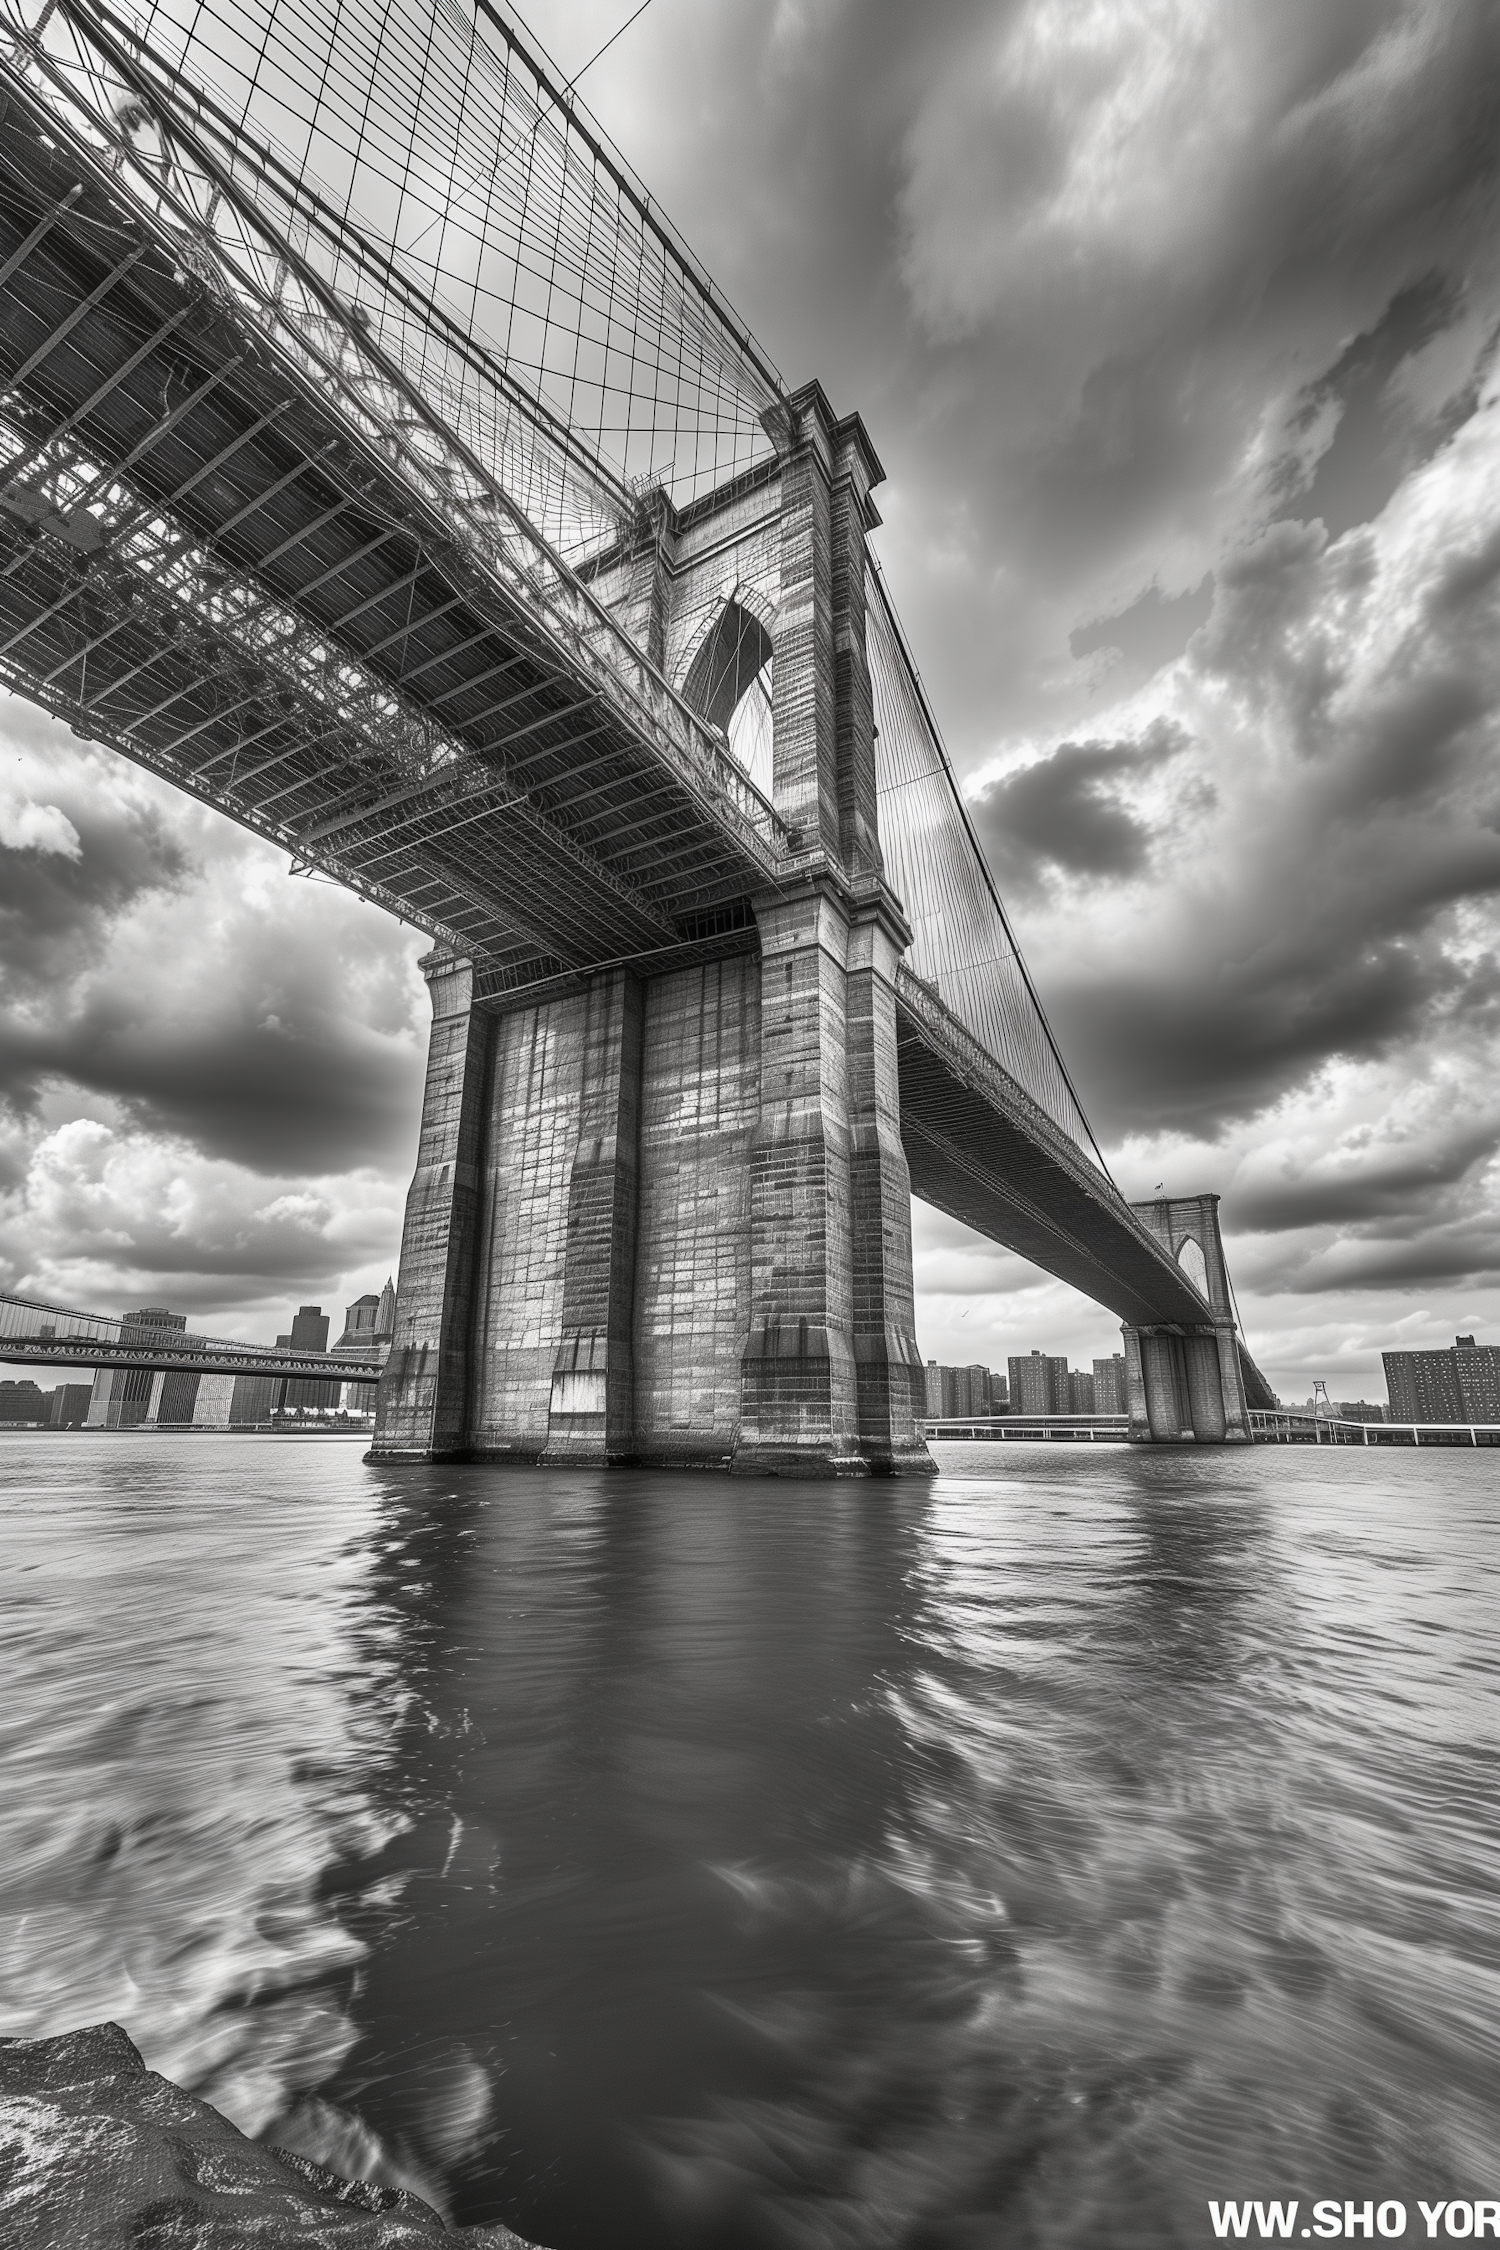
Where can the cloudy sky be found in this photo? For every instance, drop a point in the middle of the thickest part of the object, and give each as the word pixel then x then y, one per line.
pixel 1175 324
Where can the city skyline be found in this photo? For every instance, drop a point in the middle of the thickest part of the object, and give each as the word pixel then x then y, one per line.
pixel 1197 566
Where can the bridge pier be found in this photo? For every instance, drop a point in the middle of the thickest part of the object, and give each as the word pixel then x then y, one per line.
pixel 423 1396
pixel 590 1414
pixel 831 1376
pixel 667 1220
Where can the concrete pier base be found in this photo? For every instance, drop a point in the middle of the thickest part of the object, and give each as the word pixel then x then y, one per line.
pixel 642 1229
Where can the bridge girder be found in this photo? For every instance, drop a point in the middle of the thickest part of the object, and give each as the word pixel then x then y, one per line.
pixel 207 561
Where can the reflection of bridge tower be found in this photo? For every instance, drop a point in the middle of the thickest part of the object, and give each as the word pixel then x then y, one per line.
pixel 1184 1381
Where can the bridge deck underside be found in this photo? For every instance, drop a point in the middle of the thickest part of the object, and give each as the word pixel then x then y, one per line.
pixel 204 565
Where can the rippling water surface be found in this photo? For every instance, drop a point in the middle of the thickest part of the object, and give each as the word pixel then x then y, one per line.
pixel 674 1860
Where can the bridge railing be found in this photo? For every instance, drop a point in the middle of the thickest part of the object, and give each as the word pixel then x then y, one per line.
pixel 245 231
pixel 26 1319
pixel 1011 1429
pixel 964 1052
pixel 1288 1426
pixel 37 1334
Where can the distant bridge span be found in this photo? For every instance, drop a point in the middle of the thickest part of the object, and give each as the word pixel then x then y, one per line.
pixel 33 1334
pixel 376 465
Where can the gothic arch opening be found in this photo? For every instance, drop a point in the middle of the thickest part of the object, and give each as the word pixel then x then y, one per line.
pixel 1193 1263
pixel 729 682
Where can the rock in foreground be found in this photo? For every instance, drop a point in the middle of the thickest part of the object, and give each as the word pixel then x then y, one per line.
pixel 97 2151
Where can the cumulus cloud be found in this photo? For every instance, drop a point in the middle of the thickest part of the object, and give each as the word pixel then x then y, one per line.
pixel 102 1216
pixel 1333 886
pixel 26 826
pixel 167 962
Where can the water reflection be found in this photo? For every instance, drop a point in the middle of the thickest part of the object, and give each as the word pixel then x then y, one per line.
pixel 1021 1860
pixel 188 1714
pixel 639 1712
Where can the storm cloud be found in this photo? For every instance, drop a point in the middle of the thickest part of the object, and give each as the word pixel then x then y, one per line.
pixel 209 1074
pixel 1067 811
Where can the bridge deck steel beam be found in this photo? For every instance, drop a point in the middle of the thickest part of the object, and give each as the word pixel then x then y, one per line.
pixel 261 475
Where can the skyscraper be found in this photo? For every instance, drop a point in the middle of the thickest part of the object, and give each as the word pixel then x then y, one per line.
pixel 1080 1391
pixel 306 1395
pixel 122 1395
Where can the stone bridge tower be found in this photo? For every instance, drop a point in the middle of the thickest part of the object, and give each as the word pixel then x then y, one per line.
pixel 1187 1383
pixel 661 1210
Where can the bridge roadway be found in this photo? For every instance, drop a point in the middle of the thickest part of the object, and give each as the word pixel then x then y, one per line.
pixel 37 1335
pixel 252 557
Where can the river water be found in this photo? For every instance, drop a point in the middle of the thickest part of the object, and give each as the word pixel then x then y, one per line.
pixel 1026 1858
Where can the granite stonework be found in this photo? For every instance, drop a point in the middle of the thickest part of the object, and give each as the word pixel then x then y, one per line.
pixel 99 2153
pixel 665 1217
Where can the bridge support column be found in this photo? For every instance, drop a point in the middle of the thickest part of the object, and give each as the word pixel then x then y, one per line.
pixel 1193 1382
pixel 592 1416
pixel 799 1409
pixel 830 1378
pixel 1185 1385
pixel 890 1382
pixel 1232 1385
pixel 1135 1388
pixel 422 1402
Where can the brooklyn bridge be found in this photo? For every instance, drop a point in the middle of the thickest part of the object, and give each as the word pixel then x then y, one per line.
pixel 378 465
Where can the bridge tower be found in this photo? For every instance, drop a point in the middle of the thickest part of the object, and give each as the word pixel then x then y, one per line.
pixel 661 1211
pixel 1187 1383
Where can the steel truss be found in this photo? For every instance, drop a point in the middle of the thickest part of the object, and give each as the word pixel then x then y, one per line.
pixel 286 716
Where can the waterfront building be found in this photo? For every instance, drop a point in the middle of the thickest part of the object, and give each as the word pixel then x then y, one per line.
pixel 70 1406
pixel 123 1397
pixel 369 1330
pixel 1478 1369
pixel 369 1324
pixel 177 1400
pixel 1080 1391
pixel 1461 1384
pixel 309 1333
pixel 254 1399
pixel 962 1393
pixel 1109 1385
pixel 23 1401
pixel 1039 1385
